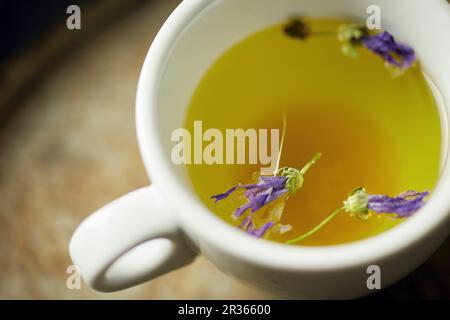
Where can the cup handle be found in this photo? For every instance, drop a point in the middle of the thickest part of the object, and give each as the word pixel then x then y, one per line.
pixel 129 241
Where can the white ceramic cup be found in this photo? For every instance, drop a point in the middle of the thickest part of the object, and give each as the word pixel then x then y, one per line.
pixel 157 229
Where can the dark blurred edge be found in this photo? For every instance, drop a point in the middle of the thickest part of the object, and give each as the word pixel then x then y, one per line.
pixel 24 23
pixel 35 39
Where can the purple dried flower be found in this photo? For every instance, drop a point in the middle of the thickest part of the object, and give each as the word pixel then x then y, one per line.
pixel 395 54
pixel 264 192
pixel 268 189
pixel 248 226
pixel 404 205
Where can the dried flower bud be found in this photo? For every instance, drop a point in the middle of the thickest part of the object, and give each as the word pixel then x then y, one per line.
pixel 352 33
pixel 294 180
pixel 351 36
pixel 297 29
pixel 357 204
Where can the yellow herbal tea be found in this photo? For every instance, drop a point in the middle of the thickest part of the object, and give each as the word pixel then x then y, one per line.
pixel 373 130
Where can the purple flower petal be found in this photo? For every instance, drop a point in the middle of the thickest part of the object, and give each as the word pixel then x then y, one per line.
pixel 240 211
pixel 268 189
pixel 275 182
pixel 412 193
pixel 275 195
pixel 224 195
pixel 384 45
pixel 404 205
pixel 257 232
pixel 259 200
pixel 245 223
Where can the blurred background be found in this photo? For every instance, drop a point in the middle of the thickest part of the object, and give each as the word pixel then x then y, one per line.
pixel 67 146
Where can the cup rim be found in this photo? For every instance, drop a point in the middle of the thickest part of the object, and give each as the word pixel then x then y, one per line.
pixel 233 242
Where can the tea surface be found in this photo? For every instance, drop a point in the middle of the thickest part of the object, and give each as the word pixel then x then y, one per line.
pixel 373 130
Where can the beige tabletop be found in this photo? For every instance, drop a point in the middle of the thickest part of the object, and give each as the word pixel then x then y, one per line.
pixel 70 147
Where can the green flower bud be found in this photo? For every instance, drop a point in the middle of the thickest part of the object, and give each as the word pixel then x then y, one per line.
pixel 294 180
pixel 351 33
pixel 357 204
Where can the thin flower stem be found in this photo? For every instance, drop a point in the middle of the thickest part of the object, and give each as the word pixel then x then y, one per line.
pixel 317 228
pixel 309 164
pixel 283 135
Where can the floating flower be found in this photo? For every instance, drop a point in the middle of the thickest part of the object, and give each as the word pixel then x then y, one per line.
pixel 359 204
pixel 395 54
pixel 403 205
pixel 398 57
pixel 264 192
